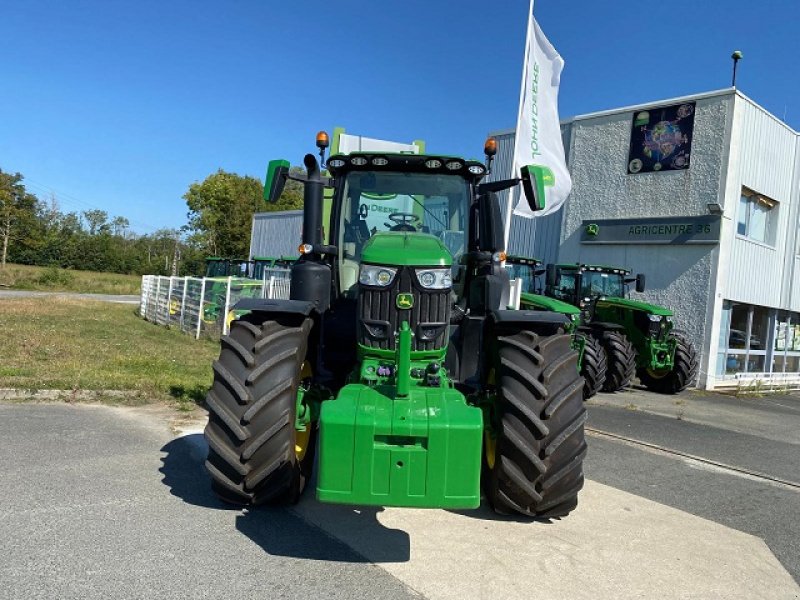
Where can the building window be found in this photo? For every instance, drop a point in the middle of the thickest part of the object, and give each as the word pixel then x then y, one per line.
pixel 757 218
pixel 787 343
pixel 750 337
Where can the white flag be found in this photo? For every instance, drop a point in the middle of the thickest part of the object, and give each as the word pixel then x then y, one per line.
pixel 538 139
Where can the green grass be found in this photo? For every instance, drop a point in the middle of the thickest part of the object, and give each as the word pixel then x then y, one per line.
pixel 68 344
pixel 53 279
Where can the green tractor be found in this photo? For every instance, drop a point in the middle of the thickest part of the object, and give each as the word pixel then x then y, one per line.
pixel 263 264
pixel 591 356
pixel 397 357
pixel 638 338
pixel 216 288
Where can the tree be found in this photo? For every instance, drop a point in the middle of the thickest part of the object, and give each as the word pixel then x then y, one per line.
pixel 220 214
pixel 17 211
pixel 119 225
pixel 97 220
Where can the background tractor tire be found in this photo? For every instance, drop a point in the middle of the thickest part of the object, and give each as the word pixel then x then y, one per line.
pixel 534 463
pixel 593 366
pixel 621 360
pixel 252 403
pixel 683 373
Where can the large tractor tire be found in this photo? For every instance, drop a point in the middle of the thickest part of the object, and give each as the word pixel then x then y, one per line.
pixel 533 460
pixel 621 360
pixel 255 453
pixel 683 373
pixel 593 366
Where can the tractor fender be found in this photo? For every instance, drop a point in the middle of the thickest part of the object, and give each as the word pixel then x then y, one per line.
pixel 528 319
pixel 287 307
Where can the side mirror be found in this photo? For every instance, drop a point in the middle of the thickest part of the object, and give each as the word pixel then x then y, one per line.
pixel 640 282
pixel 550 277
pixel 533 178
pixel 277 171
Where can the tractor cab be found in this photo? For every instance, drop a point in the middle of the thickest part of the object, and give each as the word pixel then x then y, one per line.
pixel 583 285
pixel 526 270
pixel 227 267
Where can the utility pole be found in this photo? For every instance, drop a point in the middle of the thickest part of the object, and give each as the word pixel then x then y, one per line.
pixel 176 255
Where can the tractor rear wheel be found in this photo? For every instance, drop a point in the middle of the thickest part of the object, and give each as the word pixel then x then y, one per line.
pixel 682 374
pixel 255 452
pixel 534 454
pixel 621 357
pixel 593 366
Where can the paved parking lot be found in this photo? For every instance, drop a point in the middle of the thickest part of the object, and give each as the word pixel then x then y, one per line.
pixel 106 501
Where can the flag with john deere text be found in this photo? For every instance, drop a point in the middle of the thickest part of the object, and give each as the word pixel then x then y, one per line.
pixel 538 139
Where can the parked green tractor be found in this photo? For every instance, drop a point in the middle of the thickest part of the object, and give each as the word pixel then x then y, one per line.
pixel 397 356
pixel 216 291
pixel 638 338
pixel 591 356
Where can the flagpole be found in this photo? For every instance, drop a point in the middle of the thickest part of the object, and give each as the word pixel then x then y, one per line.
pixel 513 193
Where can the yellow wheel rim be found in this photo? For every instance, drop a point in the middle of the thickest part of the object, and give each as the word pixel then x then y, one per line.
pixel 302 436
pixel 489 441
pixel 229 319
pixel 657 374
pixel 490 447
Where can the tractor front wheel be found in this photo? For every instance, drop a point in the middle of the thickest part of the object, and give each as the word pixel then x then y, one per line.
pixel 256 454
pixel 593 366
pixel 682 374
pixel 621 357
pixel 535 450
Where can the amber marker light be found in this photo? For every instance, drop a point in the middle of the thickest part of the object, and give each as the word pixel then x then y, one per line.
pixel 490 147
pixel 322 140
pixel 305 248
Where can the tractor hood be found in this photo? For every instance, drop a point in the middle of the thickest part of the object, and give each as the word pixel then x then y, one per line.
pixel 406 249
pixel 635 305
pixel 549 304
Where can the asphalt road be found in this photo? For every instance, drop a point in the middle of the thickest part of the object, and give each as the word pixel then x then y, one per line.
pixel 100 502
pixel 119 298
pixel 749 476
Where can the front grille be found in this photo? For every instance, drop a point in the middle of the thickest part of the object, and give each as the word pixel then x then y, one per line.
pixel 379 317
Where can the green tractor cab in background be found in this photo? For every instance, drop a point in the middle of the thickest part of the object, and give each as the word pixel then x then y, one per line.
pixel 639 338
pixel 396 357
pixel 591 356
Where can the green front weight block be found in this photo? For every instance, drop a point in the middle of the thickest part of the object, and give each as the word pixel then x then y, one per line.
pixel 420 450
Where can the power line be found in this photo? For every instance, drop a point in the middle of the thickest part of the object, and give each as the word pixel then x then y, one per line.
pixel 46 189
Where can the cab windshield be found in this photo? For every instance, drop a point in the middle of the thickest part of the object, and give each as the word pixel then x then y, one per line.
pixel 375 201
pixel 596 283
pixel 526 273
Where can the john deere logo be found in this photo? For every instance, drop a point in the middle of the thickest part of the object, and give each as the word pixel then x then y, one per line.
pixel 404 301
pixel 593 229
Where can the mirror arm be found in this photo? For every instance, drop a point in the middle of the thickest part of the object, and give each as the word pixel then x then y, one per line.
pixel 497 186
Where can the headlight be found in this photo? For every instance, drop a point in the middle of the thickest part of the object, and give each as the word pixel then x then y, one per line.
pixel 654 318
pixel 435 279
pixel 379 276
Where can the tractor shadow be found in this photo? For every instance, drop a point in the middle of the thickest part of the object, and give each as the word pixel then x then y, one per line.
pixel 287 531
pixel 485 513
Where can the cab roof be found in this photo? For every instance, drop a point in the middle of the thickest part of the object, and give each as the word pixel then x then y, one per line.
pixel 601 268
pixel 339 164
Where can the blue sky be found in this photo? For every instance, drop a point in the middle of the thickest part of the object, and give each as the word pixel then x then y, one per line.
pixel 121 105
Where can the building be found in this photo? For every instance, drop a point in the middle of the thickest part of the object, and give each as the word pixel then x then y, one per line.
pixel 701 193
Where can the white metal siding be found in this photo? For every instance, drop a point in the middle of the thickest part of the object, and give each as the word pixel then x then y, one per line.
pixel 276 234
pixel 758 273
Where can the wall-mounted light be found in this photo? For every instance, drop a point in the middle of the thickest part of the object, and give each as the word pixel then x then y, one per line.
pixel 714 208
